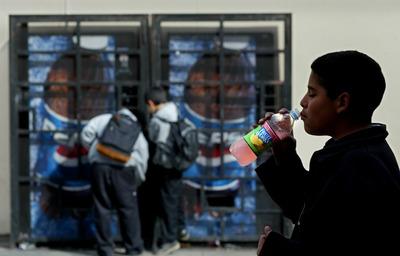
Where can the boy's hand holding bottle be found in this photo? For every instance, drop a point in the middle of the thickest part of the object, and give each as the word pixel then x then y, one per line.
pixel 274 131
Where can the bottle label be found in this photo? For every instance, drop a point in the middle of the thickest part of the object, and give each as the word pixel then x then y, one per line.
pixel 258 140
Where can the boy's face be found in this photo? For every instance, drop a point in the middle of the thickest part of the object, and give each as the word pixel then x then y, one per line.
pixel 319 112
pixel 151 107
pixel 208 98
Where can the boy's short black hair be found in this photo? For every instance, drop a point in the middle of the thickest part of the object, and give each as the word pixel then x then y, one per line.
pixel 156 94
pixel 353 72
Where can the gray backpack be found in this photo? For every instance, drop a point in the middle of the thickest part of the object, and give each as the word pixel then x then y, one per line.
pixel 181 147
pixel 117 140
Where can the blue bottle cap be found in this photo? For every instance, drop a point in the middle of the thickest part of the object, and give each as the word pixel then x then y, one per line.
pixel 295 113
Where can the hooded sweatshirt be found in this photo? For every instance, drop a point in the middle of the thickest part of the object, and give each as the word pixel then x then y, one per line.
pixel 159 128
pixel 93 130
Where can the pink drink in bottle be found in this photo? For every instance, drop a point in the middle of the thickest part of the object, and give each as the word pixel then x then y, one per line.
pixel 250 146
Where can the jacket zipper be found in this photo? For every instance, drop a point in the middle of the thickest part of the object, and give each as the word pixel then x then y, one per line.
pixel 301 214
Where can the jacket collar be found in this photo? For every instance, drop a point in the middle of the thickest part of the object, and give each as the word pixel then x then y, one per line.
pixel 168 112
pixel 375 132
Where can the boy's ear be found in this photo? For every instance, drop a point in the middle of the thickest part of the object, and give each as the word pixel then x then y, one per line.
pixel 342 102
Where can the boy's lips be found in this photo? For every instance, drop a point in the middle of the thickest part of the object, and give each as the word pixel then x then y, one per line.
pixel 302 115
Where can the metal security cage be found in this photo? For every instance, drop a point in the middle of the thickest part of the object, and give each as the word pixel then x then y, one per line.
pixel 224 72
pixel 63 71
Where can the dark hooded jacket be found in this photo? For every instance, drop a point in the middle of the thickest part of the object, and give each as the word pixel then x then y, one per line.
pixel 348 203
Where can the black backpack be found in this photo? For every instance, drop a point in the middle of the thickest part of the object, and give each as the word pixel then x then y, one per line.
pixel 117 140
pixel 181 148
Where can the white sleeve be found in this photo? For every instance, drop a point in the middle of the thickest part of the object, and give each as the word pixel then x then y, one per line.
pixel 154 129
pixel 140 155
pixel 159 130
pixel 93 128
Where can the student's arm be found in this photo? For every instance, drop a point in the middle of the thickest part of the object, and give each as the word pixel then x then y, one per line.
pixel 140 155
pixel 154 130
pixel 93 128
pixel 284 178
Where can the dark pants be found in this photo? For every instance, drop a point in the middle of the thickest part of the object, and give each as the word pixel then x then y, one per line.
pixel 159 204
pixel 170 192
pixel 114 187
pixel 181 213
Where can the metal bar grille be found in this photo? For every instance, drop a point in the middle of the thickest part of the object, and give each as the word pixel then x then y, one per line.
pixel 267 74
pixel 39 126
pixel 171 34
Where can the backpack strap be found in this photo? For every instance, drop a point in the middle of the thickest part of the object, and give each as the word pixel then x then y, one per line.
pixel 165 120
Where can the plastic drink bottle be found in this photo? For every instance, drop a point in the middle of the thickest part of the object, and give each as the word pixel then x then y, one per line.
pixel 247 148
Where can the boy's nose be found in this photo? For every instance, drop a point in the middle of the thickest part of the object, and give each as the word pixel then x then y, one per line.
pixel 303 102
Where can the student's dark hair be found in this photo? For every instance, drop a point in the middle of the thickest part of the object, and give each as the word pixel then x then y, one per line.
pixel 353 72
pixel 156 94
pixel 236 66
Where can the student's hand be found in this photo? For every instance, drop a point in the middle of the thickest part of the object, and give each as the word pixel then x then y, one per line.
pixel 261 241
pixel 280 147
pixel 268 115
